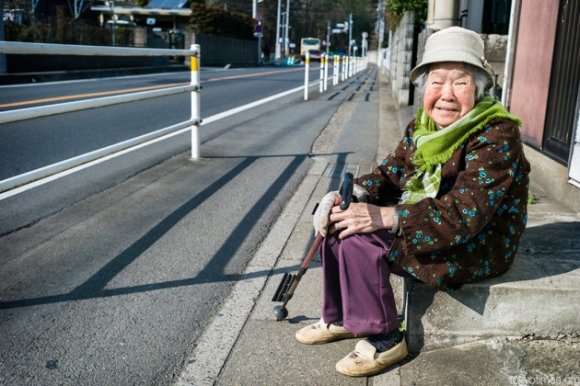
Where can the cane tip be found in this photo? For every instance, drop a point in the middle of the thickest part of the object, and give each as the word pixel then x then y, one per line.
pixel 280 313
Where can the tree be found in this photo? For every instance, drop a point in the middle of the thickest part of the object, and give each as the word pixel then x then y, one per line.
pixel 397 8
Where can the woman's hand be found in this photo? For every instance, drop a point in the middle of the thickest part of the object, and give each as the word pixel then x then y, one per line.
pixel 321 219
pixel 360 218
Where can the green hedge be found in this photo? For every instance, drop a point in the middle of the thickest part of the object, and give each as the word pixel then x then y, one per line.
pixel 397 9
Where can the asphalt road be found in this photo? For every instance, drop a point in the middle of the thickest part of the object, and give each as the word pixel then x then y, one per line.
pixel 109 276
pixel 31 144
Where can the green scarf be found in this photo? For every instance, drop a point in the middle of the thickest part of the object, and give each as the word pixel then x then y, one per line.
pixel 435 147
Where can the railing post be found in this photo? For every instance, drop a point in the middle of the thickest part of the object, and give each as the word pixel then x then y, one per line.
pixel 306 74
pixel 350 66
pixel 195 102
pixel 343 75
pixel 335 71
pixel 325 71
pixel 321 87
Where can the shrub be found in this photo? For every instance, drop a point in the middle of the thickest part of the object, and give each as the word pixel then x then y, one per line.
pixel 397 8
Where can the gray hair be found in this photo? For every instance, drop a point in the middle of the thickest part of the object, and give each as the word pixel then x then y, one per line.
pixel 478 74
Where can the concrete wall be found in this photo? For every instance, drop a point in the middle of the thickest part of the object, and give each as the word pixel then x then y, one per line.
pixel 402 60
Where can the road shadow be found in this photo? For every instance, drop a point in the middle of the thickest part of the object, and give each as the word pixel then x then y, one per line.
pixel 95 286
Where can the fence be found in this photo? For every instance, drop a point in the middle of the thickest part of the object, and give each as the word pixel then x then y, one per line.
pixel 37 112
pixel 350 66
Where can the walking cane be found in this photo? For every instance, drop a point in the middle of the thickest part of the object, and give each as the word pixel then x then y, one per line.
pixel 289 282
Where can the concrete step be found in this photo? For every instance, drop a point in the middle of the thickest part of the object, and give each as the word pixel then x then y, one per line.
pixel 539 296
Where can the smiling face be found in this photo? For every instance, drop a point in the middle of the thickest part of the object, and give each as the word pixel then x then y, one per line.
pixel 449 93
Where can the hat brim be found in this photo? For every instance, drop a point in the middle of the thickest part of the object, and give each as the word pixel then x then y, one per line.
pixel 444 58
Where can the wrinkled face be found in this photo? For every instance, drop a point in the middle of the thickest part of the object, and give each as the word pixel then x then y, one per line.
pixel 449 93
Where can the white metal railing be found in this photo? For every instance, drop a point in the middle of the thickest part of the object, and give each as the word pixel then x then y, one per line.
pixel 36 112
pixel 61 108
pixel 350 66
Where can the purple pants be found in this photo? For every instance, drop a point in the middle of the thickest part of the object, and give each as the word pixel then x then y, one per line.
pixel 356 287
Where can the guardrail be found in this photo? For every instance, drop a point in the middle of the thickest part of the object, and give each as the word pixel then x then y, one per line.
pixel 350 67
pixel 36 112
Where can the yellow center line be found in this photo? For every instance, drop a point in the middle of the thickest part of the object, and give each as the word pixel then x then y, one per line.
pixel 90 95
pixel 130 90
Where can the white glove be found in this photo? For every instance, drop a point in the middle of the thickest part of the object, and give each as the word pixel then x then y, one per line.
pixel 322 214
pixel 361 193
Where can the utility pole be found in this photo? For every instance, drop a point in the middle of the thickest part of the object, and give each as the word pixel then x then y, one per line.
pixel 381 31
pixel 277 50
pixel 327 37
pixel 286 41
pixel 349 34
pixel 114 18
pixel 2 56
pixel 364 44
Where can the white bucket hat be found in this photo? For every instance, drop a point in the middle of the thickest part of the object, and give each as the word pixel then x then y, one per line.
pixel 454 44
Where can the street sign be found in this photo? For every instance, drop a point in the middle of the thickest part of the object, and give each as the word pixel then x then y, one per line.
pixel 340 25
pixel 258 17
pixel 337 31
pixel 258 35
pixel 258 28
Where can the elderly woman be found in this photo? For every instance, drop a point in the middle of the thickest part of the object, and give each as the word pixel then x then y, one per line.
pixel 448 207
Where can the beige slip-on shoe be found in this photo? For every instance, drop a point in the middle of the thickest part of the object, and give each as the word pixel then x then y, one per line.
pixel 365 360
pixel 320 332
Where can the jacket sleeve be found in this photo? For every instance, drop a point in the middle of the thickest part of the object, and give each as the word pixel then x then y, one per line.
pixel 493 160
pixel 386 182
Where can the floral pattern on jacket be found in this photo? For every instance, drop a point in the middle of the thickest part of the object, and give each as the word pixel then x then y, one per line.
pixel 472 229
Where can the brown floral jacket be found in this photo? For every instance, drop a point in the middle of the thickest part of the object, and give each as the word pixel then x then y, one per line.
pixel 471 230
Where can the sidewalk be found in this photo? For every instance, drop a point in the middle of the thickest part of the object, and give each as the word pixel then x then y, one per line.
pixel 521 328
